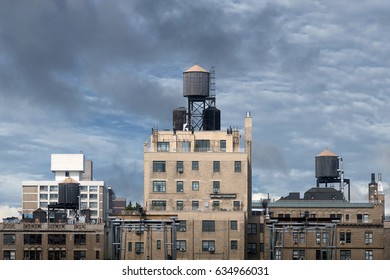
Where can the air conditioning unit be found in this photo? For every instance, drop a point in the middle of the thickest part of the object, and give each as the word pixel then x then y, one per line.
pixel 295 241
pixel 348 259
pixel 211 249
pixel 182 229
pixel 216 190
pixel 342 242
pixel 182 249
pixel 180 170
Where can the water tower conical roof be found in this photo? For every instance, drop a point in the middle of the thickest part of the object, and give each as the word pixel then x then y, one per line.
pixel 196 68
pixel 327 153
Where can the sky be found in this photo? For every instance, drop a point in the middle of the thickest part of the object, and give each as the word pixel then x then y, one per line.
pixel 97 76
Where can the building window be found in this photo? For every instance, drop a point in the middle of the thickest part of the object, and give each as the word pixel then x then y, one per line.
pixel 186 146
pixel 93 188
pixel 163 146
pixel 237 166
pixel 236 205
pixel 302 237
pixel 159 186
pixel 365 218
pixel 222 145
pixel 233 244
pixel 347 217
pixel 348 237
pixel 139 247
pixel 53 196
pixel 195 205
pixel 80 239
pixel 54 188
pixel 181 245
pixel 80 255
pixel 216 186
pixel 369 255
pixel 202 145
pixel 208 225
pixel 179 186
pixel 43 188
pixel 216 205
pixel 359 218
pixel 93 196
pixel 195 185
pixel 179 205
pixel 216 166
pixel 159 205
pixel 9 239
pixel 252 228
pixel 233 225
pixel 43 196
pixel 368 237
pixel 345 254
pixel 182 225
pixel 208 245
pixel 32 239
pixel 298 254
pixel 179 166
pixel 32 254
pixel 342 237
pixel 97 255
pixel 97 238
pixel 9 255
pixel 158 245
pixel 56 255
pixel 57 239
pixel 158 166
pixel 195 165
pixel 278 254
pixel 252 248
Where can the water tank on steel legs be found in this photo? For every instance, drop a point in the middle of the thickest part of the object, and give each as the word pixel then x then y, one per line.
pixel 68 193
pixel 212 119
pixel 327 165
pixel 196 82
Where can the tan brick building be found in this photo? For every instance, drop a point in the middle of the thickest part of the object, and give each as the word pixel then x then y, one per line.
pixel 203 179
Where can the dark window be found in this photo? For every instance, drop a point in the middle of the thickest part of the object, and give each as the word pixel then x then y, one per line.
pixel 32 254
pixel 345 254
pixel 179 166
pixel 158 245
pixel 179 186
pixel 195 185
pixel 233 244
pixel 97 255
pixel 80 255
pixel 80 239
pixel 179 205
pixel 252 228
pixel 57 239
pixel 56 255
pixel 159 186
pixel 181 245
pixel 195 205
pixel 208 225
pixel 359 218
pixel 216 186
pixel 195 165
pixel 139 247
pixel 202 145
pixel 368 237
pixel 9 239
pixel 252 248
pixel 233 225
pixel 163 146
pixel 216 166
pixel 158 166
pixel 32 239
pixel 9 255
pixel 236 205
pixel 237 166
pixel 222 145
pixel 208 245
pixel 159 205
pixel 348 237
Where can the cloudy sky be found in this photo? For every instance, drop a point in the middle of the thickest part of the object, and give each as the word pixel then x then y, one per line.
pixel 96 76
